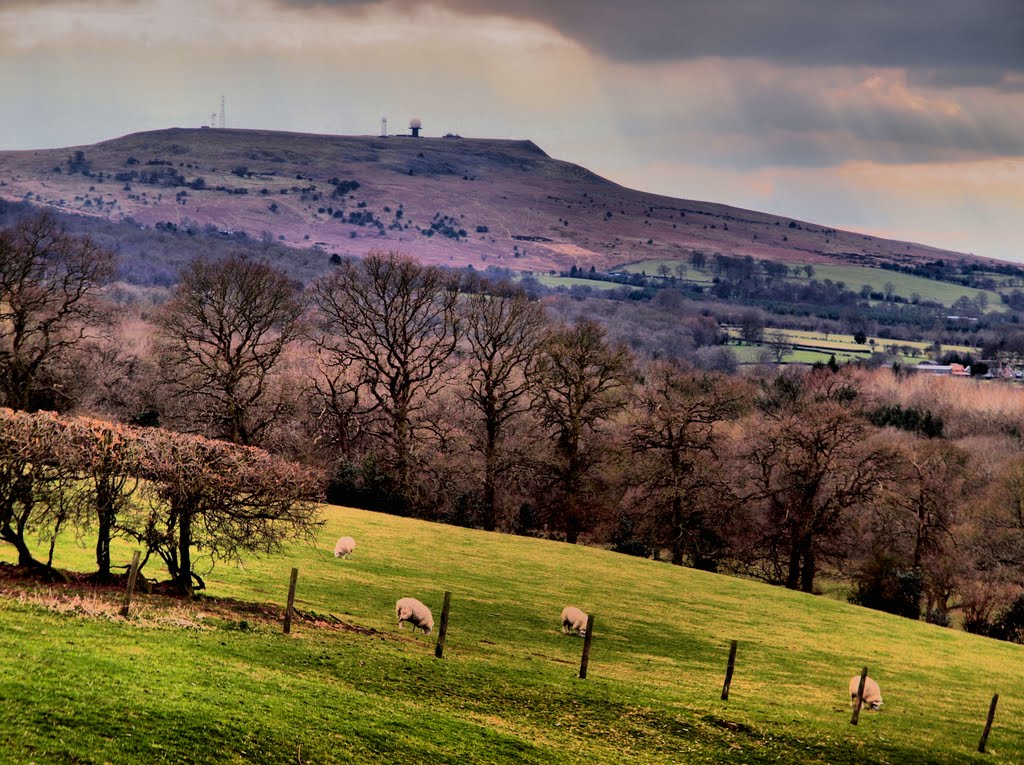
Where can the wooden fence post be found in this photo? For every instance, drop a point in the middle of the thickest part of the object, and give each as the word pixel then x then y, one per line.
pixel 132 575
pixel 439 648
pixel 586 647
pixel 860 697
pixel 988 723
pixel 291 602
pixel 728 671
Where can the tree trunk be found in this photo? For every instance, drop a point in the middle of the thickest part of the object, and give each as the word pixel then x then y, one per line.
pixel 572 530
pixel 809 565
pixel 490 477
pixel 103 548
pixel 401 425
pixel 25 559
pixel 184 583
pixel 677 527
pixel 105 513
pixel 572 520
pixel 920 537
pixel 793 574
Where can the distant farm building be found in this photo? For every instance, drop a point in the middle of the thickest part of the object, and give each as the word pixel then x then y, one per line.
pixel 931 368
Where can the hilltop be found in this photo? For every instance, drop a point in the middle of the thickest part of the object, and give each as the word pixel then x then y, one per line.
pixel 453 201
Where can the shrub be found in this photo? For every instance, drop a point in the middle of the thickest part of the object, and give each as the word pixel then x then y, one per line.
pixel 885 586
pixel 911 419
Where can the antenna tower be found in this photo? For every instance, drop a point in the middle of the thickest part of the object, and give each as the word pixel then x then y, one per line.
pixel 383 127
pixel 222 121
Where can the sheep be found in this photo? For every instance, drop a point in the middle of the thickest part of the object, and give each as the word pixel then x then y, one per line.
pixel 412 611
pixel 872 697
pixel 574 619
pixel 344 547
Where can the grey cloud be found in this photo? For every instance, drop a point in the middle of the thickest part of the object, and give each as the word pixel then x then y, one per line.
pixel 964 77
pixel 791 125
pixel 980 129
pixel 986 36
pixel 5 4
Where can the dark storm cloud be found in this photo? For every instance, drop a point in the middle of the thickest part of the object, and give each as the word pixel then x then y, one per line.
pixel 983 36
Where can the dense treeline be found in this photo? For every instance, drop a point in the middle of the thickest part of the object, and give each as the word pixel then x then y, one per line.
pixel 423 392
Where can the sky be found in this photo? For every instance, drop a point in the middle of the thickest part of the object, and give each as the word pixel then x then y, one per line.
pixel 900 118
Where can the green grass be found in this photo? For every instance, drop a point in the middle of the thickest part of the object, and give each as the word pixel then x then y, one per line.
pixel 571 281
pixel 846 342
pixel 904 285
pixel 751 354
pixel 650 268
pixel 95 689
pixel 817 346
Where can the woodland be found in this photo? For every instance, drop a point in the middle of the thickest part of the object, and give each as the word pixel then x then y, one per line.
pixel 210 417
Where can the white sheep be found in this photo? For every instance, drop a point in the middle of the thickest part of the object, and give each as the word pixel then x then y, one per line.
pixel 344 547
pixel 412 611
pixel 872 698
pixel 574 619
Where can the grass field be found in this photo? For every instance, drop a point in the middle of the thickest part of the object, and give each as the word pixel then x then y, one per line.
pixel 904 285
pixel 571 281
pixel 650 268
pixel 810 347
pixel 193 684
pixel 752 354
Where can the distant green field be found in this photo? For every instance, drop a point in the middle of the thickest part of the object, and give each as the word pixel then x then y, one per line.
pixel 570 281
pixel 817 346
pixel 650 267
pixel 904 285
pixel 750 354
pixel 203 687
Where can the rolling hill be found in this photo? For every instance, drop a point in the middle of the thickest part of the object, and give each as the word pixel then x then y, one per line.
pixel 215 681
pixel 452 200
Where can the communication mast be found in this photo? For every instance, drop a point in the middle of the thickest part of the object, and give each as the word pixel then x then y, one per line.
pixel 383 127
pixel 222 120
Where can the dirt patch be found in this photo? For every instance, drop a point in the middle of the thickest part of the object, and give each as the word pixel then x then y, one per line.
pixel 81 595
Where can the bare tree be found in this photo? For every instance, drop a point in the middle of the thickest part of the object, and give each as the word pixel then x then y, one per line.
pixel 812 465
pixel 779 344
pixel 916 523
pixel 389 328
pixel 49 282
pixel 219 499
pixel 580 382
pixel 221 337
pixel 681 478
pixel 503 332
pixel 33 479
pixel 205 495
pixel 752 326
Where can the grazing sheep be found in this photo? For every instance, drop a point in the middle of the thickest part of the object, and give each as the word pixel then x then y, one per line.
pixel 872 698
pixel 344 547
pixel 412 611
pixel 574 619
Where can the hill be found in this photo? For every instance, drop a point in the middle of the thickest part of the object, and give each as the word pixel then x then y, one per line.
pixel 216 681
pixel 455 201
